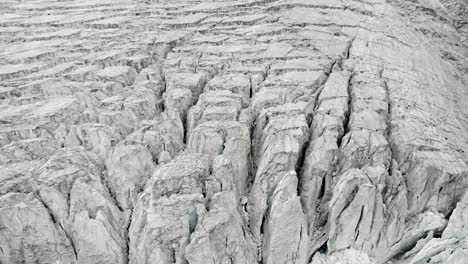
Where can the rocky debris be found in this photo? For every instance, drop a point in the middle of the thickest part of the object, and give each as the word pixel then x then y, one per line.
pixel 230 132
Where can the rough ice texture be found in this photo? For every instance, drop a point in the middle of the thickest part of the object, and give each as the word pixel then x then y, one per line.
pixel 228 132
